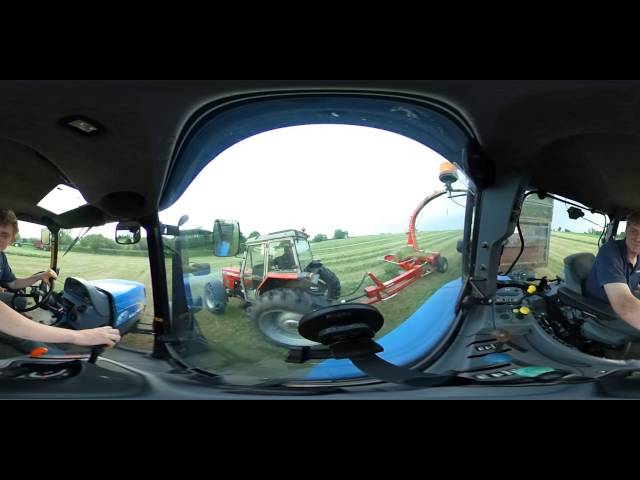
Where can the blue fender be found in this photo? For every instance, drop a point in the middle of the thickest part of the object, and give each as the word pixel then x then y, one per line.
pixel 409 342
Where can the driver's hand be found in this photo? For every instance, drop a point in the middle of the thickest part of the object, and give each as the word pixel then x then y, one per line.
pixel 45 276
pixel 97 336
pixel 2 289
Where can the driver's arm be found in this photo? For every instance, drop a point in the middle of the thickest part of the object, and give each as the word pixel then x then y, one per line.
pixel 624 303
pixel 19 283
pixel 16 325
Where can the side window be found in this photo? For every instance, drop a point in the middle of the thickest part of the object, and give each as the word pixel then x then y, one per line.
pixel 253 271
pixel 254 264
pixel 376 225
pixel 27 254
pixel 305 256
pixel 550 235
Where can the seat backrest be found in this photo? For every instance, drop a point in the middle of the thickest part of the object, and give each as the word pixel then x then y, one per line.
pixel 576 269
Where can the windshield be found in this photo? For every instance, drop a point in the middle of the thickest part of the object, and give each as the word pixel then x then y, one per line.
pixel 305 257
pixel 343 238
pixel 282 257
pixel 97 257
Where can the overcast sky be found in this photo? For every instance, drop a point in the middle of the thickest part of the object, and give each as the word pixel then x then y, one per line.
pixel 561 219
pixel 323 177
pixel 320 177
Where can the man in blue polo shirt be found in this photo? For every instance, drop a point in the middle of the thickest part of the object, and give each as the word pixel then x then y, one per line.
pixel 615 274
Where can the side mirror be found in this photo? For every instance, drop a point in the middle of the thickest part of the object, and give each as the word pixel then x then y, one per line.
pixel 45 236
pixel 459 246
pixel 183 219
pixel 127 233
pixel 226 238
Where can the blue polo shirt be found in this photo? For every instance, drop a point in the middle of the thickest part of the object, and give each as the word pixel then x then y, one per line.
pixel 611 266
pixel 6 275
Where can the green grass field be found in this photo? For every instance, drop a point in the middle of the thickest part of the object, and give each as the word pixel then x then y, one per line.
pixel 237 348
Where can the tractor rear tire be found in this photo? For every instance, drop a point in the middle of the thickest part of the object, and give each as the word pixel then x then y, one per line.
pixel 215 297
pixel 442 264
pixel 277 313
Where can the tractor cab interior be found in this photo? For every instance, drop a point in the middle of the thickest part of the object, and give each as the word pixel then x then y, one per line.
pixel 406 272
pixel 553 279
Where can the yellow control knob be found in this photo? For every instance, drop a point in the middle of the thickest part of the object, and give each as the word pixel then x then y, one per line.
pixel 532 289
pixel 524 310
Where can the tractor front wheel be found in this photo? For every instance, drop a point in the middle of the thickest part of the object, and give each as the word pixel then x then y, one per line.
pixel 277 313
pixel 215 297
pixel 442 264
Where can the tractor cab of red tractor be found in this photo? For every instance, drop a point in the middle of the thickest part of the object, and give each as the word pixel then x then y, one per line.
pixel 278 279
pixel 274 259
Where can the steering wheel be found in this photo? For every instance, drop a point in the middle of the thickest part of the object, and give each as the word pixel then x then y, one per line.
pixel 39 293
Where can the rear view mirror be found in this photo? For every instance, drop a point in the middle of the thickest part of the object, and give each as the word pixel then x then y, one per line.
pixel 127 233
pixel 459 246
pixel 45 236
pixel 226 238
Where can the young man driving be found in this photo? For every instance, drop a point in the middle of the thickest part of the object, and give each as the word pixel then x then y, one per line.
pixel 15 325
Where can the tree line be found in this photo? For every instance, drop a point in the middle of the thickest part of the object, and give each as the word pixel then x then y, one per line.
pixel 320 237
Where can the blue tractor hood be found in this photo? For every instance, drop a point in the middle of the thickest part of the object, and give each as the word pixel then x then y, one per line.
pixel 129 298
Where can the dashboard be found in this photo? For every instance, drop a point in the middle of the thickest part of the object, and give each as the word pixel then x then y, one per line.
pixel 84 305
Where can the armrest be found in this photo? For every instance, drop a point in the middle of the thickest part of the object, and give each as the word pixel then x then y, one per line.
pixel 595 307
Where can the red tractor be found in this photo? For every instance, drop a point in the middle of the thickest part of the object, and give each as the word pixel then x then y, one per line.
pixel 281 282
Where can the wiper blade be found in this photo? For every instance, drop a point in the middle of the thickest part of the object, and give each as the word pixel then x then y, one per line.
pixel 80 235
